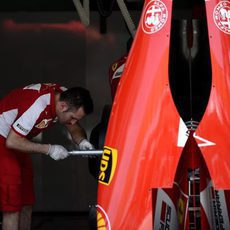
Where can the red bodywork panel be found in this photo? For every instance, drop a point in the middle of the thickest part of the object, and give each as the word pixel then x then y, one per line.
pixel 143 140
pixel 215 124
pixel 143 128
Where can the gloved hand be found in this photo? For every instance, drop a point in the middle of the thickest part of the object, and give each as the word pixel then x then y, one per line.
pixel 85 145
pixel 57 152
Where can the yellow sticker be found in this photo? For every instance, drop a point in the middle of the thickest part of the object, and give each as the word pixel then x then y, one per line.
pixel 108 165
pixel 180 210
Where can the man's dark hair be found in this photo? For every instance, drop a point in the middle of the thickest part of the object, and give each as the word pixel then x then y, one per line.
pixel 78 97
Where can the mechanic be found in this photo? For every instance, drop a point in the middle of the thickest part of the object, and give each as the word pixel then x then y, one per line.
pixel 24 113
pixel 116 69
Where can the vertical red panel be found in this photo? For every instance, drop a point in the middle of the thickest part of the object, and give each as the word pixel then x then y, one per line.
pixel 141 139
pixel 215 124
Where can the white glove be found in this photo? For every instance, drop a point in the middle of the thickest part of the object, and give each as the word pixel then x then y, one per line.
pixel 85 145
pixel 57 152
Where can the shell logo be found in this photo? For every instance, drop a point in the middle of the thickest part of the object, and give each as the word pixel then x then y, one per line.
pixel 103 222
pixel 155 17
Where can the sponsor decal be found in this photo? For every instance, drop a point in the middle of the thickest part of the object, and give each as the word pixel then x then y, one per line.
pixel 155 17
pixel 108 165
pixel 180 210
pixel 22 128
pixel 221 16
pixel 103 222
pixel 43 124
pixel 220 209
pixel 165 216
pixel 215 207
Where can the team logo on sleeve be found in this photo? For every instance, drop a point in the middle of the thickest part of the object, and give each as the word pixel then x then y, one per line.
pixel 155 17
pixel 43 124
pixel 108 165
pixel 114 67
pixel 221 16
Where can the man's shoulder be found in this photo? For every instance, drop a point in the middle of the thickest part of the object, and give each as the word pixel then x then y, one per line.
pixel 43 88
pixel 116 64
pixel 40 92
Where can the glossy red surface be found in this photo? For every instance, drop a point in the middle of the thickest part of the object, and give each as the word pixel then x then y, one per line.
pixel 143 128
pixel 142 142
pixel 215 124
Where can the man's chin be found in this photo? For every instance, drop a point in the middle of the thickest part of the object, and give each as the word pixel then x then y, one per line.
pixel 65 123
pixel 62 122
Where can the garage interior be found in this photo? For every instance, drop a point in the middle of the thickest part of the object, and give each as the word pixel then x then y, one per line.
pixel 45 41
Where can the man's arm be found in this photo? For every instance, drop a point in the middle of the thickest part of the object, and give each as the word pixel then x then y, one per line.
pixel 79 136
pixel 17 142
pixel 77 133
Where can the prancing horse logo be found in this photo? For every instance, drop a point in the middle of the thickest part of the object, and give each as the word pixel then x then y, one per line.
pixel 43 124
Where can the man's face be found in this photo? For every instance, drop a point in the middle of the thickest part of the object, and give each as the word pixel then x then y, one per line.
pixel 70 116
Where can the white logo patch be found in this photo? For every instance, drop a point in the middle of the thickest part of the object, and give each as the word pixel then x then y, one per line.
pixel 118 71
pixel 221 16
pixel 155 17
pixel 183 136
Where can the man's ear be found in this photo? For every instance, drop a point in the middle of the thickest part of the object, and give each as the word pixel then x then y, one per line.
pixel 63 106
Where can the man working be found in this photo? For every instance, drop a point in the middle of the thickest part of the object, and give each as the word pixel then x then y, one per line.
pixel 24 113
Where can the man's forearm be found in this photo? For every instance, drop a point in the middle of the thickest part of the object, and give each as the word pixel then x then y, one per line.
pixel 77 133
pixel 14 141
pixel 29 146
